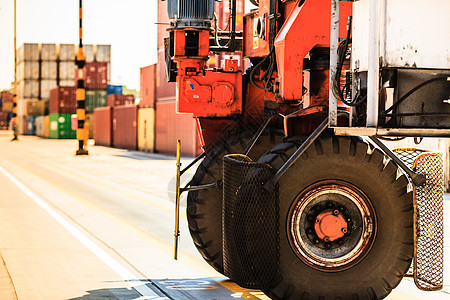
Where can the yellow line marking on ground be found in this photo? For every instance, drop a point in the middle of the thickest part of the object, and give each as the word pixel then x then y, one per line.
pixel 243 292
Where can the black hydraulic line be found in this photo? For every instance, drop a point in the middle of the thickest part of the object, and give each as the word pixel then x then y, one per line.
pixel 273 16
pixel 199 187
pixel 413 90
pixel 257 67
pixel 231 46
pixel 417 179
pixel 259 132
pixel 270 185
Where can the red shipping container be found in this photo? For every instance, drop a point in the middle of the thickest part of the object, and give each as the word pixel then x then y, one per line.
pixel 7 96
pixel 3 120
pixel 163 19
pixel 117 100
pixel 63 100
pixel 96 75
pixel 125 126
pixel 164 90
pixel 171 126
pixel 103 126
pixel 148 86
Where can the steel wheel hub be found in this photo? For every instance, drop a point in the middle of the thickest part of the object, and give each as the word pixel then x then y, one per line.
pixel 331 225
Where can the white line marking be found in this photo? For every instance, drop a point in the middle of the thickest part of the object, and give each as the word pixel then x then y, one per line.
pixel 108 260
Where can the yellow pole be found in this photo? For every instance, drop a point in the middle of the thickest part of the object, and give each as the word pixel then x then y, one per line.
pixel 82 133
pixel 177 203
pixel 15 124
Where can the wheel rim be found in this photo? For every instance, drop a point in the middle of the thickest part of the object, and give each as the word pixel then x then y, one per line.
pixel 331 225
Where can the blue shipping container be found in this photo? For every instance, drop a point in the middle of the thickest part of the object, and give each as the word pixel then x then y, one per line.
pixel 31 125
pixel 114 89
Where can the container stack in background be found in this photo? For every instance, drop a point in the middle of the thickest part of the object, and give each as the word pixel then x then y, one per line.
pixel 49 69
pixel 28 73
pixel 66 65
pixel 98 75
pixel 6 107
pixel 116 124
pixel 62 105
pixel 146 113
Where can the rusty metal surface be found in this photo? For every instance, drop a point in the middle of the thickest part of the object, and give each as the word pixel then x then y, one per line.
pixel 428 266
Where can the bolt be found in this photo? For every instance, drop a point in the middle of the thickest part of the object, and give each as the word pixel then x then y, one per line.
pixel 316 241
pixel 309 230
pixel 327 245
pixel 344 230
pixel 336 212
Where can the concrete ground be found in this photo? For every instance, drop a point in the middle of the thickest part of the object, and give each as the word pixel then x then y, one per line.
pixel 101 227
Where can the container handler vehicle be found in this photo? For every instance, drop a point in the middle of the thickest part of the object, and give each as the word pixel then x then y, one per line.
pixel 296 194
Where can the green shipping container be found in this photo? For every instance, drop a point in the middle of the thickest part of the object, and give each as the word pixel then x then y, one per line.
pixel 90 100
pixel 61 127
pixel 94 99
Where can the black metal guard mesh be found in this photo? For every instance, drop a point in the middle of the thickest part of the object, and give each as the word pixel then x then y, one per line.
pixel 250 223
pixel 427 267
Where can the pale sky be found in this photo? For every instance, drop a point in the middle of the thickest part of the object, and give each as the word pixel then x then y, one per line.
pixel 129 26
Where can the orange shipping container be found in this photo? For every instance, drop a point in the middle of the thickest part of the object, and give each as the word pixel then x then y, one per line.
pixel 148 86
pixel 164 90
pixel 171 126
pixel 125 126
pixel 103 126
pixel 163 19
pixel 47 126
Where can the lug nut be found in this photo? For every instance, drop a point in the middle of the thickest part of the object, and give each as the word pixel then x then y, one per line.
pixel 336 212
pixel 344 230
pixel 326 239
pixel 317 220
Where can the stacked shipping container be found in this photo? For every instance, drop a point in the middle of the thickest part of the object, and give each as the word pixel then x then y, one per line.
pixel 117 100
pixel 43 67
pixel 6 104
pixel 66 65
pixel 98 75
pixel 63 104
pixel 27 80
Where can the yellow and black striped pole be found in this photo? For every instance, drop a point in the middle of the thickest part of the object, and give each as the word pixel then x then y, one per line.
pixel 15 125
pixel 82 133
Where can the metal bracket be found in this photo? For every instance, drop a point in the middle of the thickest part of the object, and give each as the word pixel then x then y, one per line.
pixel 259 132
pixel 270 185
pixel 417 179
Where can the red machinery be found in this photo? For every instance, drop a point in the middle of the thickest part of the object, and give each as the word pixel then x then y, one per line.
pixel 306 214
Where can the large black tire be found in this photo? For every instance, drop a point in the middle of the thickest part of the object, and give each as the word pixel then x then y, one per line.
pixel 204 207
pixel 347 160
